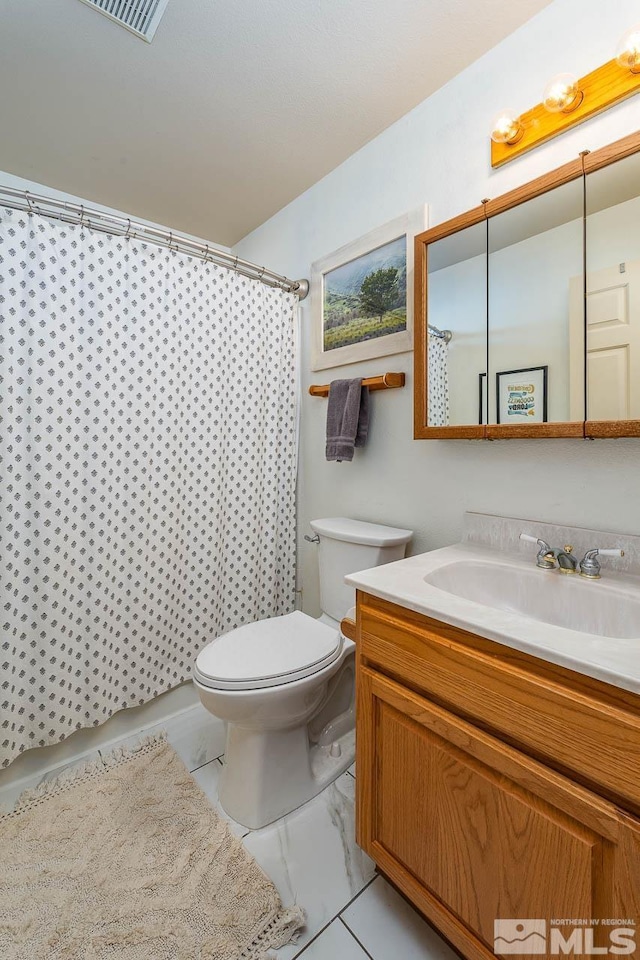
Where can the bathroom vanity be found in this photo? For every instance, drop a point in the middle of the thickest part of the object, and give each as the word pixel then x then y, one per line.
pixel 498 756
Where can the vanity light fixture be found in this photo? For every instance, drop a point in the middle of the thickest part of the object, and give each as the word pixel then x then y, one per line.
pixel 628 55
pixel 568 101
pixel 506 127
pixel 562 94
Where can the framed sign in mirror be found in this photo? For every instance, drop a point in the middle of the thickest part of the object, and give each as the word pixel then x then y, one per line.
pixel 521 395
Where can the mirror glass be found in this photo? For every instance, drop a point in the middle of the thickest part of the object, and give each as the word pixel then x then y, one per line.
pixel 457 326
pixel 613 291
pixel 536 310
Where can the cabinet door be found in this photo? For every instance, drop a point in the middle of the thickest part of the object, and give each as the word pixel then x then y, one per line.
pixel 451 334
pixel 613 299
pixel 535 249
pixel 474 831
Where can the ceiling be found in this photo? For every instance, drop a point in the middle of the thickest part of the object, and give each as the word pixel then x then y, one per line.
pixel 234 109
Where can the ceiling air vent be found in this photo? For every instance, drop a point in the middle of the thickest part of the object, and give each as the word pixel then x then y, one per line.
pixel 139 16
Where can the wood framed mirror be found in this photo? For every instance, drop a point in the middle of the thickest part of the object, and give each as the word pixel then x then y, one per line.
pixel 527 312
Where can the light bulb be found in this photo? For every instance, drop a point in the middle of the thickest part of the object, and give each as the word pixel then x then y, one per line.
pixel 628 54
pixel 562 94
pixel 506 127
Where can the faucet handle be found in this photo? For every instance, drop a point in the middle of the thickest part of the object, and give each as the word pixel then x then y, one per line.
pixel 545 557
pixel 590 565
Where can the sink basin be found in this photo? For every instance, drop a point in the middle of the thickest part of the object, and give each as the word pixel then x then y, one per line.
pixel 488 585
pixel 591 607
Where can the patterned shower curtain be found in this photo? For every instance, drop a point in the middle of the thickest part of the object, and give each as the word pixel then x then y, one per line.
pixel 147 469
pixel 438 381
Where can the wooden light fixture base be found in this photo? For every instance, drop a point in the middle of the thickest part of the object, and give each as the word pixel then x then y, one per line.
pixel 601 88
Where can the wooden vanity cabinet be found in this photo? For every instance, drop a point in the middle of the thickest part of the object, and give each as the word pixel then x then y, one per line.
pixel 491 784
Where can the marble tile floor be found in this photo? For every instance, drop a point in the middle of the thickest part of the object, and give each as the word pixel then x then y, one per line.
pixel 311 856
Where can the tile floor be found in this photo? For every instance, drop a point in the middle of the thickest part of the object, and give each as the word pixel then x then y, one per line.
pixel 311 856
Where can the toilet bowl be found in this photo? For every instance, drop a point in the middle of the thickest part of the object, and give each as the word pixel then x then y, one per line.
pixel 289 738
pixel 285 686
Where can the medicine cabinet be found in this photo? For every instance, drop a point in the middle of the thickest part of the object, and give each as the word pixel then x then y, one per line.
pixel 528 308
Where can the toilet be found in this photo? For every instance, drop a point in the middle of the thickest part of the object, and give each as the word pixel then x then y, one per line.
pixel 285 686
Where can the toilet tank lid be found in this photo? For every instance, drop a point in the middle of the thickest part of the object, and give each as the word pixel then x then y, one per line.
pixel 358 531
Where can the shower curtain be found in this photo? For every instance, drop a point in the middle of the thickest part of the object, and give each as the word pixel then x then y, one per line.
pixel 438 381
pixel 147 469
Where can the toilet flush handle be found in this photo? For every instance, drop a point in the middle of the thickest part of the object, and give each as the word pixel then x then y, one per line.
pixel 315 539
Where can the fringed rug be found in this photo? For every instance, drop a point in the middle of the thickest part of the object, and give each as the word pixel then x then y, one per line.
pixel 126 860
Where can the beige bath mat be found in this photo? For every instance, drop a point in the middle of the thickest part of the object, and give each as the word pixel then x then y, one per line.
pixel 128 861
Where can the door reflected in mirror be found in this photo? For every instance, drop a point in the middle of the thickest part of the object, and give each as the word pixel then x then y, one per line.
pixel 536 310
pixel 613 291
pixel 456 341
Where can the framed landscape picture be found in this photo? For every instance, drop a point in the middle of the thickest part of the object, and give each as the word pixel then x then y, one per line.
pixel 362 295
pixel 522 395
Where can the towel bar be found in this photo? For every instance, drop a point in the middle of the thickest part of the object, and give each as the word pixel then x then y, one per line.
pixel 388 381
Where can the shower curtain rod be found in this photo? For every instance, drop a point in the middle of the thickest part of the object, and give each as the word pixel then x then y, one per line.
pixel 94 219
pixel 445 335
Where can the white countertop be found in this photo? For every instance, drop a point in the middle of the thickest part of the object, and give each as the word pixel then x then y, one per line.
pixel 613 660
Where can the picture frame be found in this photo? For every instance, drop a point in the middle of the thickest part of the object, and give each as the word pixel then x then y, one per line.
pixel 482 399
pixel 521 395
pixel 362 295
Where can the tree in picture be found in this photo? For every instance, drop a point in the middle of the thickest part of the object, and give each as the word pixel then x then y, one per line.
pixel 366 298
pixel 379 292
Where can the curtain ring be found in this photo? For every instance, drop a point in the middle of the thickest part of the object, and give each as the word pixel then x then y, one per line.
pixel 29 202
pixel 206 253
pixel 235 264
pixel 127 235
pixel 261 274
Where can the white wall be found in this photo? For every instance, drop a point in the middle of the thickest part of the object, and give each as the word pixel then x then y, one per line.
pixel 20 183
pixel 439 154
pixel 613 235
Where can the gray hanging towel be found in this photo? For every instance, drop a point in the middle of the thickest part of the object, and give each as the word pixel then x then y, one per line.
pixel 347 418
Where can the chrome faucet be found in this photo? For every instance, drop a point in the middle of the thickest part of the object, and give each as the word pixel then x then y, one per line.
pixel 566 560
pixel 590 565
pixel 546 557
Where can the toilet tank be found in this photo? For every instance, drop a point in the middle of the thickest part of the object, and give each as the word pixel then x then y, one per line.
pixel 347 546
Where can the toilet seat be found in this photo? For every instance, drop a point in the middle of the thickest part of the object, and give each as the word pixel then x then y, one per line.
pixel 268 653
